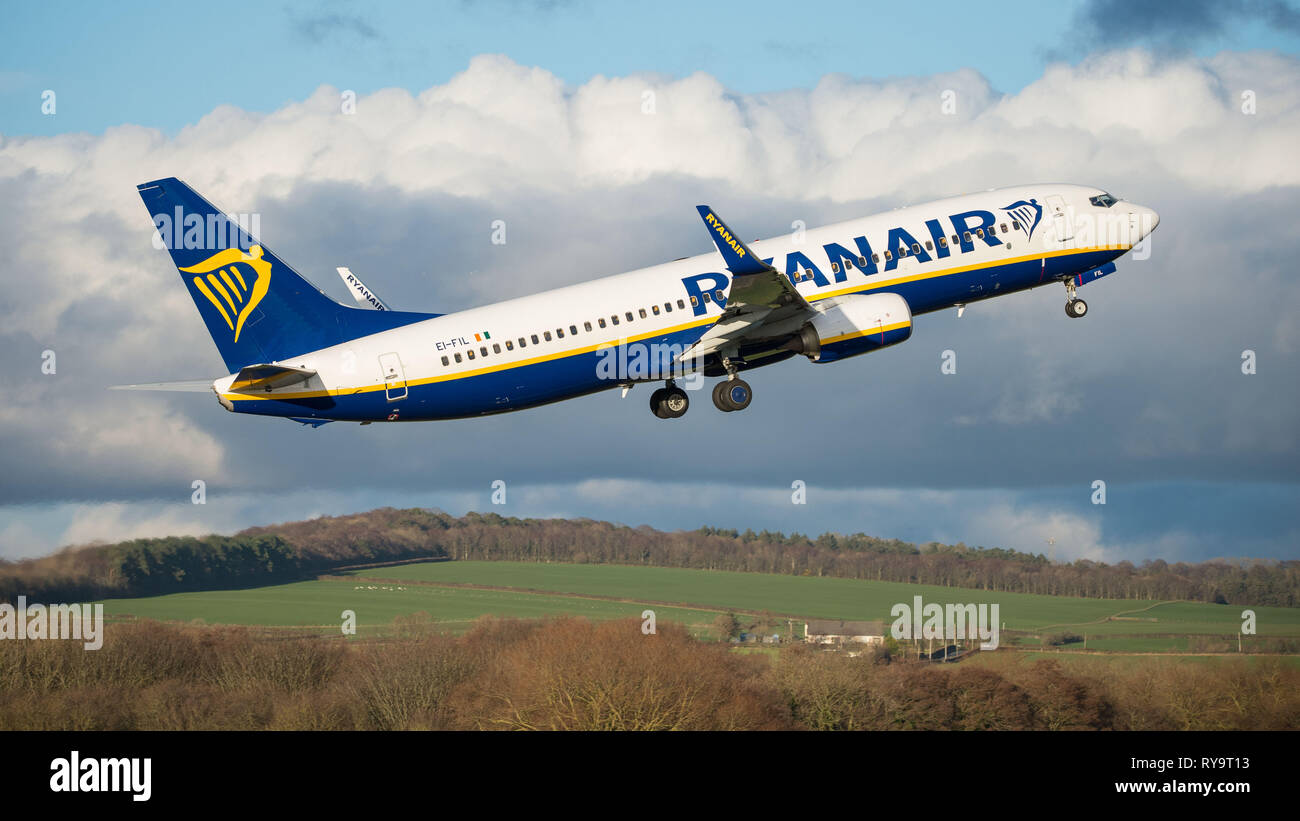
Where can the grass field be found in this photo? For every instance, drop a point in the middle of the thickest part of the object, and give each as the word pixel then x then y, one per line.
pixel 830 598
pixel 693 597
pixel 317 606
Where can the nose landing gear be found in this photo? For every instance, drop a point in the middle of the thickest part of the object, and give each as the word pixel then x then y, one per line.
pixel 1074 307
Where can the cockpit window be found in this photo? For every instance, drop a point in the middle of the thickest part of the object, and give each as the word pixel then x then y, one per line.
pixel 1103 200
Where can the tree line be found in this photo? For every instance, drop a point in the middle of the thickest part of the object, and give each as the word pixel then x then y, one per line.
pixel 265 555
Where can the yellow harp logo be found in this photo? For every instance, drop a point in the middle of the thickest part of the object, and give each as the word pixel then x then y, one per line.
pixel 239 290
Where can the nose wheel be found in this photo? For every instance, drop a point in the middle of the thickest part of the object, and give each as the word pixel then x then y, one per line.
pixel 669 402
pixel 1074 307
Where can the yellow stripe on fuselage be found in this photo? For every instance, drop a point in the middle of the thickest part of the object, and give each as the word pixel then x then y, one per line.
pixel 866 286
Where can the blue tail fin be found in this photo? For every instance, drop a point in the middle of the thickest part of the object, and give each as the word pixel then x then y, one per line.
pixel 256 307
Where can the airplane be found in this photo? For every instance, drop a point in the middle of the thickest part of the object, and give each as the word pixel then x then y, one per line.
pixel 827 294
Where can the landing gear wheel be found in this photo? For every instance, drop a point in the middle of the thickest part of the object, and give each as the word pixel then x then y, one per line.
pixel 669 403
pixel 719 401
pixel 1076 308
pixel 732 395
pixel 657 403
pixel 738 394
pixel 675 403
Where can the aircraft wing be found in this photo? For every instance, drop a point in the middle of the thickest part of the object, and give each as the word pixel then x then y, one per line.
pixel 760 302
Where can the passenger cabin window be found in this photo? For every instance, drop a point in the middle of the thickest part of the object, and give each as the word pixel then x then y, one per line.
pixel 510 346
pixel 470 353
pixel 641 311
pixel 483 350
pixel 706 297
pixel 546 335
pixel 695 300
pixel 629 316
pixel 445 361
pixel 586 326
pixel 1015 225
pixel 1004 227
pixel 889 255
pixel 916 248
pixel 601 322
pixel 929 246
pixel 943 242
pixel 559 332
pixel 654 309
pixel 682 304
pixel 875 257
pixel 573 330
pixel 457 357
pixel 979 232
pixel 614 319
pixel 835 267
pixel 717 295
pixel 534 338
pixel 497 348
pixel 966 237
pixel 668 306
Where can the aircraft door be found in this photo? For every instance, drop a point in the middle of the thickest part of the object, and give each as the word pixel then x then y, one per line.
pixel 1060 217
pixel 394 376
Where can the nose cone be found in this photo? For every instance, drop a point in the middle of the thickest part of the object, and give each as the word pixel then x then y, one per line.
pixel 1142 220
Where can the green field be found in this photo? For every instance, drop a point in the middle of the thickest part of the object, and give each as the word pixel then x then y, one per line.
pixel 692 597
pixel 831 598
pixel 318 606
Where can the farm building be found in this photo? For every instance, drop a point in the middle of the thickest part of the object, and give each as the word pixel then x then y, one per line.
pixel 842 632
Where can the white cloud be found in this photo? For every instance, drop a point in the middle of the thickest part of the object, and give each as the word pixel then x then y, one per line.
pixel 503 138
pixel 117 522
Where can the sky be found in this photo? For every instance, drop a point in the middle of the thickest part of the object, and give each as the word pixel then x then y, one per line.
pixel 534 113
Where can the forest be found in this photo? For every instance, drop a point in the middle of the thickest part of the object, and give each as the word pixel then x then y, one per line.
pixel 284 552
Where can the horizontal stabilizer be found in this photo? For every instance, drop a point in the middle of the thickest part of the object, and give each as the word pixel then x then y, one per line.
pixel 315 423
pixel 269 377
pixel 188 386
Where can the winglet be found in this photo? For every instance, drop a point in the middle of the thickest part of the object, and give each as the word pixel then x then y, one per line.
pixel 740 260
pixel 364 297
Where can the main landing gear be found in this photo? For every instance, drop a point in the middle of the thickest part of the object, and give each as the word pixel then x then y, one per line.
pixel 1074 307
pixel 732 393
pixel 669 402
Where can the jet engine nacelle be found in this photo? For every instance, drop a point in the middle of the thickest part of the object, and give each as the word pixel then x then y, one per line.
pixel 852 325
